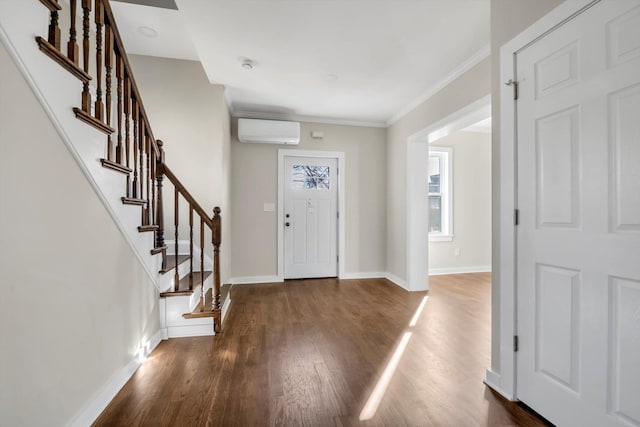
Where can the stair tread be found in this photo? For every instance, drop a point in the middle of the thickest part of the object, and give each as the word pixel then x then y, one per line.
pixel 183 285
pixel 158 250
pixel 196 313
pixel 133 201
pixel 55 54
pixel 115 166
pixel 208 298
pixel 144 228
pixel 170 263
pixel 92 121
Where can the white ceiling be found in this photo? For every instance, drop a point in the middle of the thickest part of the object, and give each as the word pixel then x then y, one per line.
pixel 343 61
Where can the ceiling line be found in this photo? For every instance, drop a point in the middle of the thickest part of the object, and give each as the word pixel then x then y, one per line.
pixel 459 71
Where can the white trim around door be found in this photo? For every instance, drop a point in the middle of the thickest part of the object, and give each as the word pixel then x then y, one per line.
pixel 505 380
pixel 340 156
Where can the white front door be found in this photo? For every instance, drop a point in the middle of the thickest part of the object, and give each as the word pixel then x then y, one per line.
pixel 578 238
pixel 310 217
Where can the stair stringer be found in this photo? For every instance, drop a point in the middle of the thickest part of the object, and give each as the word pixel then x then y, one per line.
pixel 59 92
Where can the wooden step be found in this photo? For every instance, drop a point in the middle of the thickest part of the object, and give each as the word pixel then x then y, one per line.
pixel 170 262
pixel 133 201
pixel 197 314
pixel 183 285
pixel 115 166
pixel 158 250
pixel 208 299
pixel 55 54
pixel 92 121
pixel 145 228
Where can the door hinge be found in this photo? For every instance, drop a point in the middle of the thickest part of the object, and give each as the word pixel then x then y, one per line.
pixel 516 216
pixel 338 258
pixel 515 343
pixel 337 214
pixel 514 85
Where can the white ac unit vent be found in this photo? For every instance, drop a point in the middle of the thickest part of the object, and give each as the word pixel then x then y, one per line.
pixel 268 131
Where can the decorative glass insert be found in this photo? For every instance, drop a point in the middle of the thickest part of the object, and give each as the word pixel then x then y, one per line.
pixel 310 177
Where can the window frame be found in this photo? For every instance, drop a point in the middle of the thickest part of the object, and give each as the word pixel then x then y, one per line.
pixel 445 155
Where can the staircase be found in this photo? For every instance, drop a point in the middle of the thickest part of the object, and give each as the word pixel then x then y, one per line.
pixel 110 136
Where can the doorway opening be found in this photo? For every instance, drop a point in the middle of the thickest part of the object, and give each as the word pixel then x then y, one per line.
pixel 418 199
pixel 459 173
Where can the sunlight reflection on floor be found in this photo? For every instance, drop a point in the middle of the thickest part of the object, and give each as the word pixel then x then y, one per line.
pixel 370 408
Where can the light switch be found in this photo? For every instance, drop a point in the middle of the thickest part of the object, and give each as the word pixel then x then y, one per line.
pixel 269 207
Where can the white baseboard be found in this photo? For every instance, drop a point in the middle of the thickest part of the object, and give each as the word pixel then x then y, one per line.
pixel 492 380
pixel 225 308
pixel 255 279
pixel 364 275
pixel 460 270
pixel 397 281
pixel 93 410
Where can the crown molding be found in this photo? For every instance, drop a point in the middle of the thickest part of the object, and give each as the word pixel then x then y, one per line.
pixel 460 70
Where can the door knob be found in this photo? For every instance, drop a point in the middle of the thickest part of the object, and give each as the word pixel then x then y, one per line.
pixel 286 224
pixel 287 215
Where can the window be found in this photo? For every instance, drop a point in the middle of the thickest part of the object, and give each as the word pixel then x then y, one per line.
pixel 310 177
pixel 440 197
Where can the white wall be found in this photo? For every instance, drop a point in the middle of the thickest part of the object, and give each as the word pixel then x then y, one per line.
pixel 470 87
pixel 471 162
pixel 508 18
pixel 254 181
pixel 75 301
pixel 190 116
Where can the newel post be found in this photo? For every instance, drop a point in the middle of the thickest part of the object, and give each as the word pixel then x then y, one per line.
pixel 159 171
pixel 216 237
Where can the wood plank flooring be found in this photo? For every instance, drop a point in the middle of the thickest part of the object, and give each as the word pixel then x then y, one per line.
pixel 310 353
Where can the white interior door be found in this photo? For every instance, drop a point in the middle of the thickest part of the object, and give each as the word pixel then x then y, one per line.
pixel 311 217
pixel 578 250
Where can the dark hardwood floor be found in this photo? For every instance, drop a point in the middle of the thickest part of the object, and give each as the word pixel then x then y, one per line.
pixel 310 353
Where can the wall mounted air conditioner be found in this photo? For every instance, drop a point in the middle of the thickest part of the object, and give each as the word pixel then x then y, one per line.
pixel 268 131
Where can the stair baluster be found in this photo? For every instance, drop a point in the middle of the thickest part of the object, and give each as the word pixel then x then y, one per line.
pixel 134 184
pixel 54 30
pixel 191 247
pixel 202 294
pixel 119 106
pixel 160 203
pixel 72 45
pixel 108 63
pixel 152 178
pixel 127 128
pixel 141 138
pixel 216 240
pixel 99 21
pixel 86 32
pixel 176 212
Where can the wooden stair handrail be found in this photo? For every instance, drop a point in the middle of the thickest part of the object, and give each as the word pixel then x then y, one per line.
pixel 188 197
